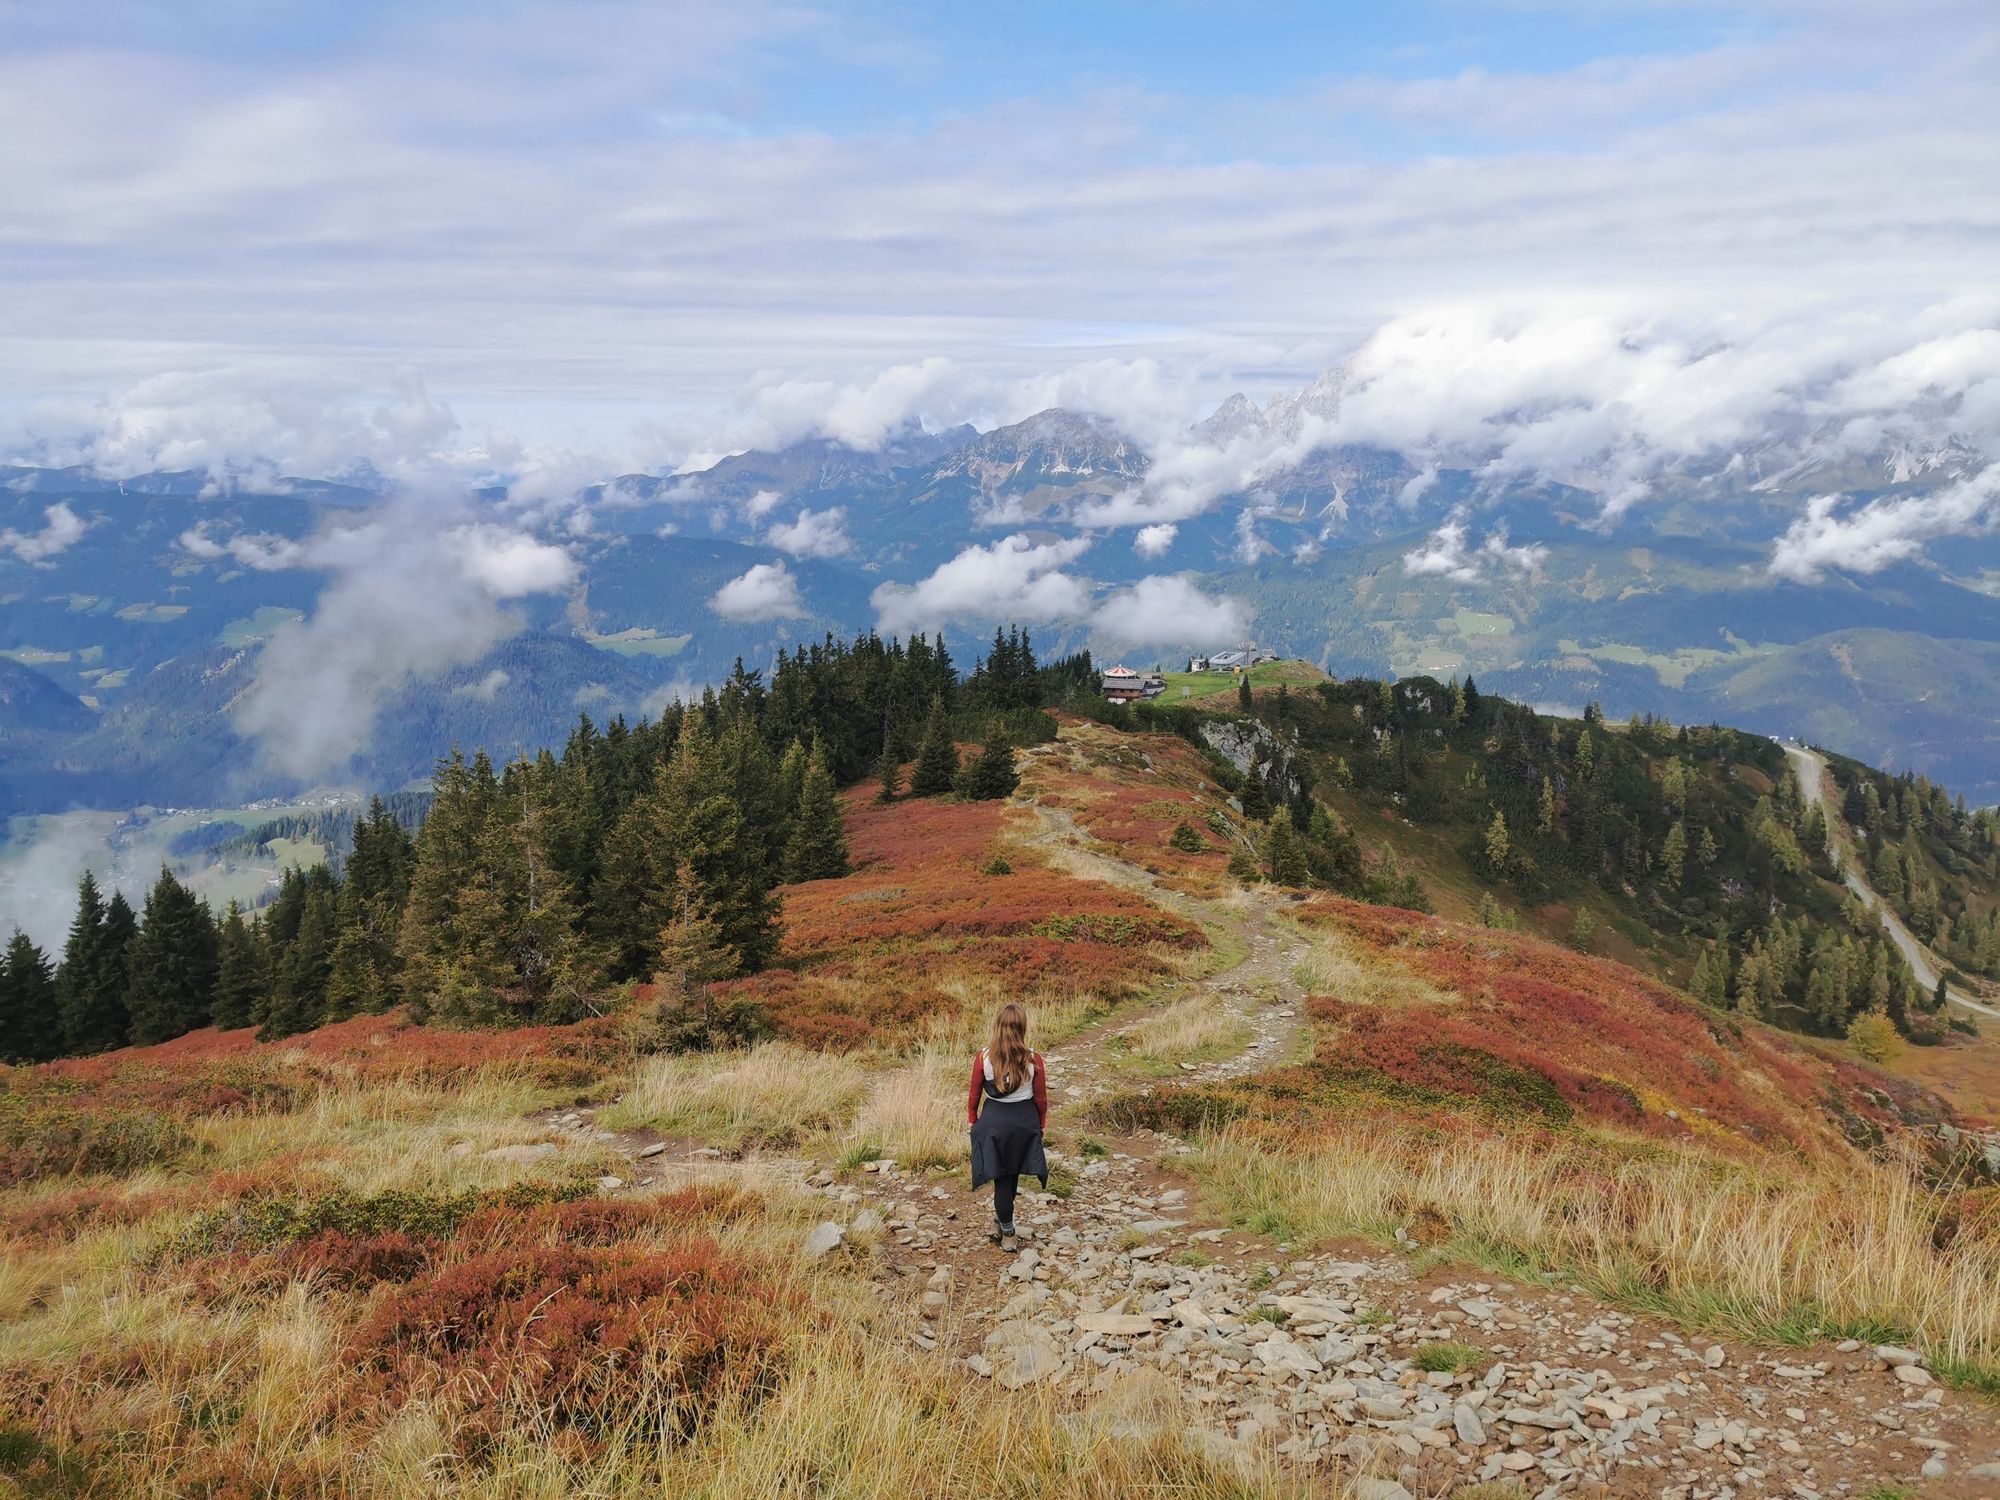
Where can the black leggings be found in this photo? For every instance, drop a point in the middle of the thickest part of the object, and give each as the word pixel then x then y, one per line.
pixel 1004 1189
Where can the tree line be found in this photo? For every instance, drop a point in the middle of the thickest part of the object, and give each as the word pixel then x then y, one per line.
pixel 641 850
pixel 1695 832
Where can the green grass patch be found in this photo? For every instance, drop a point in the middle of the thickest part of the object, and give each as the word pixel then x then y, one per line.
pixel 1448 1357
pixel 1471 624
pixel 1193 687
pixel 260 625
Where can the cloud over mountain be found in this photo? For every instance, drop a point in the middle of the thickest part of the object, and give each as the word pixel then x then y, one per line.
pixel 415 587
pixel 765 591
pixel 815 533
pixel 1873 536
pixel 61 527
pixel 1450 553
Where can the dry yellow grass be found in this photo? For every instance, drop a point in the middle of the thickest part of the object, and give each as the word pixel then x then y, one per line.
pixel 1328 966
pixel 915 1113
pixel 1760 1248
pixel 860 1420
pixel 771 1094
pixel 1053 1017
pixel 1201 1025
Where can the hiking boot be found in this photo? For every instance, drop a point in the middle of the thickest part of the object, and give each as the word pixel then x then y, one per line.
pixel 1009 1244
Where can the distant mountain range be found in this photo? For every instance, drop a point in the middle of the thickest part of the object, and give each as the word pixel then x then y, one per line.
pixel 124 653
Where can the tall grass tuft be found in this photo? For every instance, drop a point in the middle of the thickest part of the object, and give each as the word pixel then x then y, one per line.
pixel 772 1095
pixel 1773 1251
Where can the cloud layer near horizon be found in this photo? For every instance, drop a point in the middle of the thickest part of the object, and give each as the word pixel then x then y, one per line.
pixel 614 248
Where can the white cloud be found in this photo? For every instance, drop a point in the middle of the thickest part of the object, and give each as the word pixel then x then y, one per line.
pixel 1417 486
pixel 1015 578
pixel 1169 610
pixel 250 429
pixel 196 542
pixel 1156 540
pixel 1019 579
pixel 509 565
pixel 767 591
pixel 1885 531
pixel 816 533
pixel 487 688
pixel 417 587
pixel 761 504
pixel 257 249
pixel 1449 553
pixel 266 552
pixel 61 526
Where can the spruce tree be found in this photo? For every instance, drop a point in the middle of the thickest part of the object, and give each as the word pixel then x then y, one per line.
pixel 351 980
pixel 1673 855
pixel 792 780
pixel 239 975
pixel 1256 803
pixel 297 998
pixel 817 849
pixel 889 772
pixel 936 771
pixel 725 860
pixel 991 775
pixel 1244 702
pixel 625 905
pixel 30 1030
pixel 712 837
pixel 171 964
pixel 1287 860
pixel 90 982
pixel 1701 978
pixel 693 953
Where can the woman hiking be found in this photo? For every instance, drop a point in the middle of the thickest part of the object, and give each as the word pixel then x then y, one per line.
pixel 1007 1106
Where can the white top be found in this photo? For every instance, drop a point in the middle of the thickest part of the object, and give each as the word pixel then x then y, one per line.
pixel 1025 1091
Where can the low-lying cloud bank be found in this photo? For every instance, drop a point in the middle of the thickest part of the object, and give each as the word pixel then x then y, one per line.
pixel 1882 532
pixel 416 586
pixel 1020 579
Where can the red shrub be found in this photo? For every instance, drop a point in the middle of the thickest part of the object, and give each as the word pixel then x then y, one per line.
pixel 601 1222
pixel 1616 1045
pixel 591 1339
pixel 345 1260
pixel 895 943
pixel 68 1214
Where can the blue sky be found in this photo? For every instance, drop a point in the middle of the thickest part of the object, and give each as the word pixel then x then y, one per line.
pixel 618 234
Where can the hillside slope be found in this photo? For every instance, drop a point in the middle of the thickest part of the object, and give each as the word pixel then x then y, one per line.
pixel 1338 1189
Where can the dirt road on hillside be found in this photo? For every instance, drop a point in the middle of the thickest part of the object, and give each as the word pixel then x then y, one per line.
pixel 1810 768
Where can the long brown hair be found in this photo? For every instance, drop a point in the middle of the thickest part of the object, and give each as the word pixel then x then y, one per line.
pixel 1008 1048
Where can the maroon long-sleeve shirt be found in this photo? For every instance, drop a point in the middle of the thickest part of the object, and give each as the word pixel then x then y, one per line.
pixel 977 1089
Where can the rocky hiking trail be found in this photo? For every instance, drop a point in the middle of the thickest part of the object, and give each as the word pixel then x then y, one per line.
pixel 1408 1378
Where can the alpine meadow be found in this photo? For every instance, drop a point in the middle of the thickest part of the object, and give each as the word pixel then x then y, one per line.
pixel 799 750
